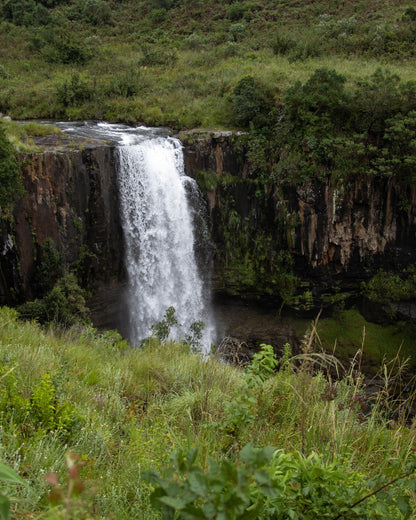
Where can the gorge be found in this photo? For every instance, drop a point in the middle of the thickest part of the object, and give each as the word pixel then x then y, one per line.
pixel 312 243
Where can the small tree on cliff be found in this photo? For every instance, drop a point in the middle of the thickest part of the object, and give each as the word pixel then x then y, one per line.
pixel 10 175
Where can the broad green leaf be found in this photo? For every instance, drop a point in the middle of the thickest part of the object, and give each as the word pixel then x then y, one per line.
pixel 8 475
pixel 197 484
pixel 175 503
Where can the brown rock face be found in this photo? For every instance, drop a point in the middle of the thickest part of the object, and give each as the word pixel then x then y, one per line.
pixel 72 198
pixel 338 233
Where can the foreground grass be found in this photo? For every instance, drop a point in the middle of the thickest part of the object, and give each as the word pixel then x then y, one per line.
pixel 123 411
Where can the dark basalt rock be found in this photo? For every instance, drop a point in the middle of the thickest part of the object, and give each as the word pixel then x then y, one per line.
pixel 341 234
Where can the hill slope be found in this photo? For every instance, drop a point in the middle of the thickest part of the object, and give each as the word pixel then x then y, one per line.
pixel 173 62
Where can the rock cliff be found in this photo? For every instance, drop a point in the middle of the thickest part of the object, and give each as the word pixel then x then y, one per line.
pixel 336 234
pixel 71 197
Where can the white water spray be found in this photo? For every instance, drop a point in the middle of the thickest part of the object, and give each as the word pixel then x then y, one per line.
pixel 159 237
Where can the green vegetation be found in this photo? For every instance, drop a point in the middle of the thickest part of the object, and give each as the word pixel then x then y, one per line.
pixel 64 304
pixel 184 59
pixel 10 175
pixel 89 423
pixel 347 334
pixel 390 288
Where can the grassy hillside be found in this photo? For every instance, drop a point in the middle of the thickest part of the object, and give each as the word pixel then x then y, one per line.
pixel 176 62
pixel 86 401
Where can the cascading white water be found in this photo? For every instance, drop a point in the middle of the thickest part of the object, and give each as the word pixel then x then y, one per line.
pixel 159 237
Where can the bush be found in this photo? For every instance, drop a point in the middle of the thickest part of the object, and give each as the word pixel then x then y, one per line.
pixel 274 485
pixel 153 57
pixel 389 288
pixel 26 12
pixel 237 31
pixel 49 267
pixel 74 91
pixel 126 84
pixel 61 45
pixel 97 12
pixel 283 43
pixel 252 103
pixel 64 304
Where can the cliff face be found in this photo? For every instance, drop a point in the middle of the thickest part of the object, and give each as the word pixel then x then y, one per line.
pixel 71 197
pixel 336 235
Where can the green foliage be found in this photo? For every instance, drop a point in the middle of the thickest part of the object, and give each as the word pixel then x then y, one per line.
pixel 162 329
pixel 307 487
pixel 389 288
pixel 262 366
pixel 95 12
pixel 224 491
pixel 193 338
pixel 45 410
pixel 26 12
pixel 153 56
pixel 49 267
pixel 37 413
pixel 283 43
pixel 241 411
pixel 62 45
pixel 64 304
pixel 127 84
pixel 10 174
pixel 252 103
pixel 74 91
pixel 270 484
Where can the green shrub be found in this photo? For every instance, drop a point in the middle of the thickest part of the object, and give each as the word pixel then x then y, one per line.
pixel 389 288
pixel 125 84
pixel 161 329
pixel 61 45
pixel 283 43
pixel 274 485
pixel 237 31
pixel 64 304
pixel 157 15
pixel 252 103
pixel 309 47
pixel 153 56
pixel 97 12
pixel 235 11
pixel 26 12
pixel 410 14
pixel 74 91
pixel 196 40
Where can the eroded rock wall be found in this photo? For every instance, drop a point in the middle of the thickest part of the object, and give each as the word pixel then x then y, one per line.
pixel 337 233
pixel 71 197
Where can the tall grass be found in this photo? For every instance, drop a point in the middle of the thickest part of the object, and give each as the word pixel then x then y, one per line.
pixel 130 408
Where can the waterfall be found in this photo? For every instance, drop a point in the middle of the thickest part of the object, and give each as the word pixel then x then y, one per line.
pixel 159 238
